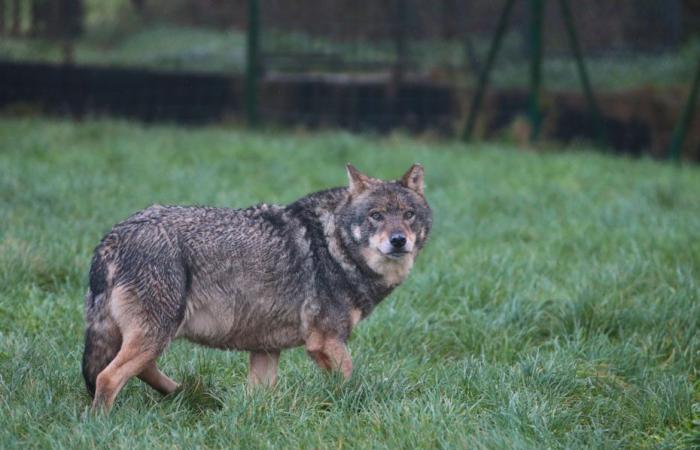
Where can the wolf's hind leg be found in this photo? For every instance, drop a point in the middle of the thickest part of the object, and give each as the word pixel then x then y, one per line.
pixel 147 304
pixel 135 355
pixel 263 368
pixel 157 380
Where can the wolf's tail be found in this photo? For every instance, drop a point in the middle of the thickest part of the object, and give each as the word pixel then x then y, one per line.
pixel 100 350
pixel 103 339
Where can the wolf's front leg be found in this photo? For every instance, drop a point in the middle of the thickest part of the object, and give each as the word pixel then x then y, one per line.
pixel 329 353
pixel 263 368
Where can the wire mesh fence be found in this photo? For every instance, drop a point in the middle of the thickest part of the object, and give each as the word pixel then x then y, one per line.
pixel 452 37
pixel 368 64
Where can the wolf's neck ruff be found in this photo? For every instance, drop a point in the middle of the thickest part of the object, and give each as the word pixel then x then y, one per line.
pixel 371 280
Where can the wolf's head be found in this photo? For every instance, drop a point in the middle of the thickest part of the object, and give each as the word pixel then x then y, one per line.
pixel 386 223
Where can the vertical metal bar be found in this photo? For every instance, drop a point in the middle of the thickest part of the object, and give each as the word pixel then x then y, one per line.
pixel 686 118
pixel 486 71
pixel 252 63
pixel 536 13
pixel 582 72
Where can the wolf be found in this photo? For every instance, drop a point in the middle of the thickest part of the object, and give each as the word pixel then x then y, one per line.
pixel 260 279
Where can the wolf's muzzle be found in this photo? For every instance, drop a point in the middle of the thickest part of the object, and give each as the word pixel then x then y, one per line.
pixel 397 241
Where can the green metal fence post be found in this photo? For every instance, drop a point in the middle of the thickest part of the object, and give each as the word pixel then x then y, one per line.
pixel 536 13
pixel 582 72
pixel 252 63
pixel 486 71
pixel 686 118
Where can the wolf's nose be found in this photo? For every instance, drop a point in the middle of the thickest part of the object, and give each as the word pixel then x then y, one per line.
pixel 397 240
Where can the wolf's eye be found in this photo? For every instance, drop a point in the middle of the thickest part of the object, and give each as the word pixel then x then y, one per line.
pixel 408 215
pixel 376 216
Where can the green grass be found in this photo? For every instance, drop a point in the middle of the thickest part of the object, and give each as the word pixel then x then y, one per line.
pixel 557 304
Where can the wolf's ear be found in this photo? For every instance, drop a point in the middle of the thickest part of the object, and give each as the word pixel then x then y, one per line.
pixel 357 181
pixel 413 179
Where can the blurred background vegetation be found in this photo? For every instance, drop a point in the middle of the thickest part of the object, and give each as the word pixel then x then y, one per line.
pixel 627 43
pixel 640 56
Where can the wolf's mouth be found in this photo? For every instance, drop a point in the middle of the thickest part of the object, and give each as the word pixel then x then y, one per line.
pixel 396 255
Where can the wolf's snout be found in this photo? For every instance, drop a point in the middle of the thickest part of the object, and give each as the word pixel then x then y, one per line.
pixel 397 240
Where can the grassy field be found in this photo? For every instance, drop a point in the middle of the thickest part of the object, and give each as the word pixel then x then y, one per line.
pixel 557 304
